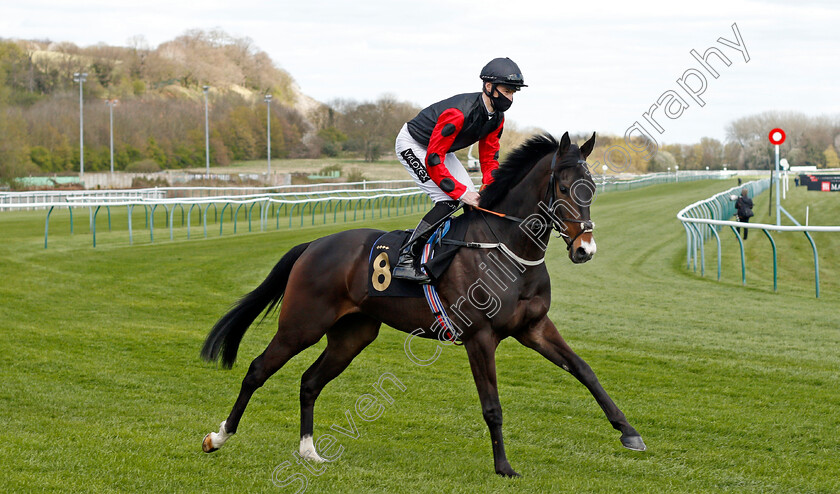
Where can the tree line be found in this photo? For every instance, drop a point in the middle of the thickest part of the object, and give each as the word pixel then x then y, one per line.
pixel 160 115
pixel 811 141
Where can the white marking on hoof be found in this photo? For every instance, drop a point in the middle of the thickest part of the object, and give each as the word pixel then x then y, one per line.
pixel 218 439
pixel 589 247
pixel 307 450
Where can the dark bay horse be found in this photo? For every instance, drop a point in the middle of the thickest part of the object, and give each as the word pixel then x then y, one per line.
pixel 543 185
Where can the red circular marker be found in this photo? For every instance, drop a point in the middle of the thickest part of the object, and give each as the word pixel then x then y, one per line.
pixel 777 136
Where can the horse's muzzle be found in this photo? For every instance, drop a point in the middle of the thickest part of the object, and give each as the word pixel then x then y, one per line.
pixel 584 250
pixel 580 255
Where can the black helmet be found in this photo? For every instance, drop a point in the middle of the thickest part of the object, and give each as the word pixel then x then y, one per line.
pixel 503 71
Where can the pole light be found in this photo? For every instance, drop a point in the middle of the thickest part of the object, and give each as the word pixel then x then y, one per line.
pixel 777 137
pixel 81 77
pixel 267 100
pixel 604 178
pixel 111 103
pixel 206 133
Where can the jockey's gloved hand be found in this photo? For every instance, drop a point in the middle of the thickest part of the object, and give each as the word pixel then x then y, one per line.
pixel 471 198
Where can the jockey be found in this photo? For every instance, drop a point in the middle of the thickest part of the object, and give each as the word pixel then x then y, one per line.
pixel 426 147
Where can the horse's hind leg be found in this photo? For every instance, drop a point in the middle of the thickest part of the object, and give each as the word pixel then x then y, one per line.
pixel 545 339
pixel 346 339
pixel 292 338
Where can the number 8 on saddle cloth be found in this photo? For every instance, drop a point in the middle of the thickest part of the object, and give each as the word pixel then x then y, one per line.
pixel 436 259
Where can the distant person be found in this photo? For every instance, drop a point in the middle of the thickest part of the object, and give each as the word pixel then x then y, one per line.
pixel 796 181
pixel 739 180
pixel 426 147
pixel 744 210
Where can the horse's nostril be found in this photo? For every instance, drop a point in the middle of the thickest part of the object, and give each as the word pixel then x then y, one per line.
pixel 581 253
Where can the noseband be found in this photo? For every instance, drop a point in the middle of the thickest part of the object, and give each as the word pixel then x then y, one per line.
pixel 556 223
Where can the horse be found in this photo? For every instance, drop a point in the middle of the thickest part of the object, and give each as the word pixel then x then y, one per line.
pixel 323 288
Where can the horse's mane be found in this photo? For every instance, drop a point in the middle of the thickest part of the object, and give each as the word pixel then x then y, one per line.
pixel 516 165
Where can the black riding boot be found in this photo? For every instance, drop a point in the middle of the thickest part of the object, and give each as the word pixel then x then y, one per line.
pixel 408 265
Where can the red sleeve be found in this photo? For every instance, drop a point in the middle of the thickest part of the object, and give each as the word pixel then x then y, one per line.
pixel 488 153
pixel 448 126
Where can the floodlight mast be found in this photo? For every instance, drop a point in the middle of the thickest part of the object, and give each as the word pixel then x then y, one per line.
pixel 81 77
pixel 267 100
pixel 206 134
pixel 111 103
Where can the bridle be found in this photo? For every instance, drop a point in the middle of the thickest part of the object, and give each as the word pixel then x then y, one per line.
pixel 556 223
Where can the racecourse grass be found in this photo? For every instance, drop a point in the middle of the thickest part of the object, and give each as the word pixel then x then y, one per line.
pixel 734 389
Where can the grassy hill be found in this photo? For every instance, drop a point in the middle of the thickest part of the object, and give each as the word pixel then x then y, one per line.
pixel 159 115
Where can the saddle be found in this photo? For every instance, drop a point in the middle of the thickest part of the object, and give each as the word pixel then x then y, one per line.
pixel 437 257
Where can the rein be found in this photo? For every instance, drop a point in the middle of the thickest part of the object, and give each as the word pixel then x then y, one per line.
pixel 500 215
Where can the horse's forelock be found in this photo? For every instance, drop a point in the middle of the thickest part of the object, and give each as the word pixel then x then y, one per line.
pixel 583 185
pixel 570 158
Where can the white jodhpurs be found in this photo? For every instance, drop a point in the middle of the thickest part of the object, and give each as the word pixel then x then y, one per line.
pixel 412 155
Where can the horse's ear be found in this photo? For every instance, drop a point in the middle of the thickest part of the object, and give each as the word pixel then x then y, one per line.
pixel 587 147
pixel 565 142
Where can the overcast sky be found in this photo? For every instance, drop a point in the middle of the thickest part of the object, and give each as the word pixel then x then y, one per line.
pixel 590 65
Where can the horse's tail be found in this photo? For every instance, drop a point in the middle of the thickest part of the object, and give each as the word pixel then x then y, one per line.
pixel 226 334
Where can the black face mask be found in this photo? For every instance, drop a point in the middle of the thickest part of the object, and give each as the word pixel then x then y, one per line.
pixel 500 102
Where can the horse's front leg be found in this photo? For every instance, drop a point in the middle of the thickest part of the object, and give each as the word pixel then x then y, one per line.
pixel 481 349
pixel 545 339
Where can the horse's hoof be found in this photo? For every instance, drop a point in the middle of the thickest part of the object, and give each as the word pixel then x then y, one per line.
pixel 507 471
pixel 207 444
pixel 634 443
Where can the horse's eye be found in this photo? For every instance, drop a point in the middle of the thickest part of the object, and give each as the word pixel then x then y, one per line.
pixel 564 190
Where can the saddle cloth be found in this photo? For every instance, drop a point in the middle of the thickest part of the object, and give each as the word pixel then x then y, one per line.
pixel 386 251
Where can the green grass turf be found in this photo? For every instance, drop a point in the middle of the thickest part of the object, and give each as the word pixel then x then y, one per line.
pixel 734 389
